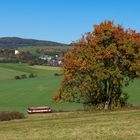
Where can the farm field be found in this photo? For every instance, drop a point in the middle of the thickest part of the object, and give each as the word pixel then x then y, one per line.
pixel 17 95
pixel 133 91
pixel 6 73
pixel 118 125
pixel 24 68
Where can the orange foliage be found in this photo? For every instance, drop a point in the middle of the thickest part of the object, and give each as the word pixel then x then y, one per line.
pixel 108 50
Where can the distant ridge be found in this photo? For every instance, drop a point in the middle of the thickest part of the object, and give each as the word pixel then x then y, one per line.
pixel 22 42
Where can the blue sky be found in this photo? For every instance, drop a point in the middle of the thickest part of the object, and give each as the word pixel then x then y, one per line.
pixel 64 20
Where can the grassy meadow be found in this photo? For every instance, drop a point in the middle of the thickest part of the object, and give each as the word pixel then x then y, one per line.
pixel 6 74
pixel 18 95
pixel 118 125
pixel 133 91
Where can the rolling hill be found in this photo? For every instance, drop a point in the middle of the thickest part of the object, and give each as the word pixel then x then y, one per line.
pixel 17 95
pixel 20 42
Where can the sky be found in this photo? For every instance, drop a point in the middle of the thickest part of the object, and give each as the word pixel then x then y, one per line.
pixel 64 20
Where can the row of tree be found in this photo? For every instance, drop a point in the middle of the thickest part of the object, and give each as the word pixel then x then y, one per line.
pixel 24 76
pixel 8 55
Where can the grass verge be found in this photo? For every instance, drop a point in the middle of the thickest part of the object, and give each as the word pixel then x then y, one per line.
pixel 119 125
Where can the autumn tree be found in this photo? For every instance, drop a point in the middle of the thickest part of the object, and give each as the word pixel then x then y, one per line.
pixel 100 64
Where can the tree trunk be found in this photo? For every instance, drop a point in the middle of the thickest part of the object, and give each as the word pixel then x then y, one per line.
pixel 108 101
pixel 106 106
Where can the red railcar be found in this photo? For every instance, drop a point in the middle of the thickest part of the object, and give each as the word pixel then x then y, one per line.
pixel 45 109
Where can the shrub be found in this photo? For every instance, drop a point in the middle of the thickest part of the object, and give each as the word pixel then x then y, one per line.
pixel 57 74
pixel 56 97
pixel 7 116
pixel 23 76
pixel 31 75
pixel 17 77
pixel 124 99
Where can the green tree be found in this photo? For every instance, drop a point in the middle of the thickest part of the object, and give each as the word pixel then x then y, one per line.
pixel 100 64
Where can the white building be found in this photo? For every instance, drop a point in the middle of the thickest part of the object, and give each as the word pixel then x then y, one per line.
pixel 60 62
pixel 45 57
pixel 16 52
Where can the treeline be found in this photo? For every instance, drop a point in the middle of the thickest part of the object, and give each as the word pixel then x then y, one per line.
pixel 20 42
pixel 7 55
pixel 24 76
pixel 52 51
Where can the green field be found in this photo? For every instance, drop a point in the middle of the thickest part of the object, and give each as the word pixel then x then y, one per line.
pixel 133 91
pixel 17 95
pixel 24 68
pixel 119 125
pixel 6 73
